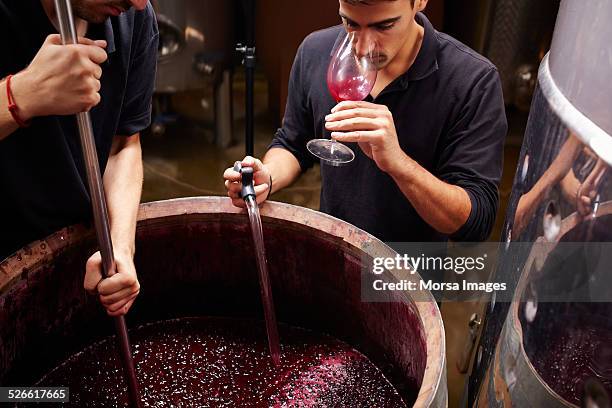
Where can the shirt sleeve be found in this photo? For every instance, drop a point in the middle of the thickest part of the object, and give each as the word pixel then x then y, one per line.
pixel 298 124
pixel 137 105
pixel 472 155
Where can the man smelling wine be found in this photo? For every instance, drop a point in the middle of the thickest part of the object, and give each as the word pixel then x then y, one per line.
pixel 428 140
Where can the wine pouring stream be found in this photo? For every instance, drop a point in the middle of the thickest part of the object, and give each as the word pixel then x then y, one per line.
pixel 100 210
pixel 249 197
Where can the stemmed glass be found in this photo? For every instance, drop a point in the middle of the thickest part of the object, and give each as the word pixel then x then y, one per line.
pixel 351 75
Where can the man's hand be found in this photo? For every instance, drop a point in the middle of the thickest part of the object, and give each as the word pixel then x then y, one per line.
pixel 588 190
pixel 61 79
pixel 261 181
pixel 525 209
pixel 372 127
pixel 117 292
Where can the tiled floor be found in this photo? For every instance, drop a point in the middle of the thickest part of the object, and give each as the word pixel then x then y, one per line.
pixel 184 162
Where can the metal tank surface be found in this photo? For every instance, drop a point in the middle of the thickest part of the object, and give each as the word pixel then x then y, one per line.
pixel 520 34
pixel 552 345
pixel 195 258
pixel 195 53
pixel 514 34
pixel 196 43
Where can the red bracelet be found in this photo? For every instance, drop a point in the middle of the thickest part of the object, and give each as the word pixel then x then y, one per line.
pixel 12 106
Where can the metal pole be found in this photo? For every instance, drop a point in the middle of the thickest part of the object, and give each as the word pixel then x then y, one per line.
pixel 249 62
pixel 98 200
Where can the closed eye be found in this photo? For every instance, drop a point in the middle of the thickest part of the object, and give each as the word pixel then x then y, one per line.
pixel 385 27
pixel 350 23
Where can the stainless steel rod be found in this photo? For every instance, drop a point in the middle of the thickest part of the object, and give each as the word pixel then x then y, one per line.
pixel 98 201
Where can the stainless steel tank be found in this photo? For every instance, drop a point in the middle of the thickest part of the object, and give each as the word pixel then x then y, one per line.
pixel 519 36
pixel 195 257
pixel 513 34
pixel 196 49
pixel 555 346
pixel 196 43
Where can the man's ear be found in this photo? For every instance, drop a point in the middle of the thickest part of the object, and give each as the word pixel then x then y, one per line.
pixel 419 5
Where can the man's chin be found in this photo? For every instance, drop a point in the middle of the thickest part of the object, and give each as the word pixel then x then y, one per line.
pixel 91 17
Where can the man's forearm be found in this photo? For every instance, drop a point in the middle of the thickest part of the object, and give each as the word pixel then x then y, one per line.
pixel 24 93
pixel 123 185
pixel 443 206
pixel 283 167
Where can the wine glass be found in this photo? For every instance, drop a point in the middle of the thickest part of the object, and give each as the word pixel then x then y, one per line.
pixel 350 77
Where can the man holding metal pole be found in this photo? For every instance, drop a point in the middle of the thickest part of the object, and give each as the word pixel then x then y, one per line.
pixel 110 73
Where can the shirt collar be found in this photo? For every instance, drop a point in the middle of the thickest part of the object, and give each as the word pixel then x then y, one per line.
pixel 426 62
pixel 110 36
pixel 104 31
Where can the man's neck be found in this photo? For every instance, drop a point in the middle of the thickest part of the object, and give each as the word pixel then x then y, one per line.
pixel 402 61
pixel 407 55
pixel 49 7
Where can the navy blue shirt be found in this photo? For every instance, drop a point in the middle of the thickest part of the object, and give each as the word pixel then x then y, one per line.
pixel 449 116
pixel 42 176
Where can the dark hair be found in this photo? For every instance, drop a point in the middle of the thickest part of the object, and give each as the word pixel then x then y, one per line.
pixel 368 2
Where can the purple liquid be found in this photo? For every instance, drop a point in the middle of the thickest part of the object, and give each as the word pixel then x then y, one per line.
pixel 574 354
pixel 571 342
pixel 264 280
pixel 225 363
pixel 350 89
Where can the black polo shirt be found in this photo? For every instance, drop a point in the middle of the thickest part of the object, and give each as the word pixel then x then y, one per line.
pixel 42 177
pixel 449 115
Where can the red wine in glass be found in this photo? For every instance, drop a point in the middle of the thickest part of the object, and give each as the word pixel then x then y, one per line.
pixel 351 88
pixel 350 77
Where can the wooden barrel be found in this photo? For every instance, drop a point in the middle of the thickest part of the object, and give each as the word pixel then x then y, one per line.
pixel 195 258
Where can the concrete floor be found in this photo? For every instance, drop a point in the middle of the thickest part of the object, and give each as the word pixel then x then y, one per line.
pixel 185 162
pixel 456 315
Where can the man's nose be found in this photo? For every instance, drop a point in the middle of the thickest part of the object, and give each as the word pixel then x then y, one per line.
pixel 139 4
pixel 364 43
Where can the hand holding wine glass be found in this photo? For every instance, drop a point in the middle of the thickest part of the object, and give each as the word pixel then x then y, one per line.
pixel 350 77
